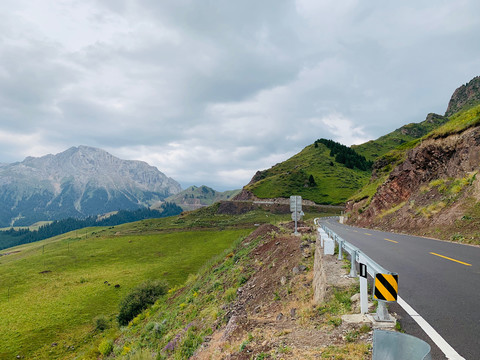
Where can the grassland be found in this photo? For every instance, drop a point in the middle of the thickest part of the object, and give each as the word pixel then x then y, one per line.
pixel 51 291
pixel 335 183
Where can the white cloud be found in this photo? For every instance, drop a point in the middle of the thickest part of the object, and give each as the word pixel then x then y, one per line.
pixel 343 129
pixel 211 92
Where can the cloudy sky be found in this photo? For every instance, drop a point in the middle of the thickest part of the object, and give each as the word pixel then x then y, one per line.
pixel 210 91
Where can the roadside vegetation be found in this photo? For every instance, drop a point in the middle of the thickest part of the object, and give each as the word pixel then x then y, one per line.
pixel 441 127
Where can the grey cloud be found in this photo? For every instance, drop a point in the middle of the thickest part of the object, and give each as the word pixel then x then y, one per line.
pixel 211 91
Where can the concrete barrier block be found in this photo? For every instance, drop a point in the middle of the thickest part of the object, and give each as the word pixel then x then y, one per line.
pixel 329 246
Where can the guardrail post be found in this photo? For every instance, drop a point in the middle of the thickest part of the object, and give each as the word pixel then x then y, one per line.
pixel 340 245
pixel 382 312
pixel 363 284
pixel 353 268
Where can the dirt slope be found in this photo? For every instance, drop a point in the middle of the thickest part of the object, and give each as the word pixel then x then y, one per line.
pixel 274 315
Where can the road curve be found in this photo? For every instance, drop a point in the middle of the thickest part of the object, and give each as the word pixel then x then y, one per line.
pixel 439 279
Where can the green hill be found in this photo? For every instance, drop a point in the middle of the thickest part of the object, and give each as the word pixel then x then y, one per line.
pixel 312 173
pixel 374 149
pixel 317 174
pixel 196 197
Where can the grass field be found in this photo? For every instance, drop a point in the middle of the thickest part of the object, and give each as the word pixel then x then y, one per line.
pixel 51 291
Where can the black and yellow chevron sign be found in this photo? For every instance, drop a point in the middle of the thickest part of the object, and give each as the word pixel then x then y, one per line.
pixel 386 287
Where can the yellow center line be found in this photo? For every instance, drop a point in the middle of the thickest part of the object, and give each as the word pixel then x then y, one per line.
pixel 393 241
pixel 445 257
pixel 368 234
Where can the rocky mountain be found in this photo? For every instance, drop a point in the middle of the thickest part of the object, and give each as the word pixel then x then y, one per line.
pixel 196 197
pixel 430 186
pixel 78 182
pixel 466 96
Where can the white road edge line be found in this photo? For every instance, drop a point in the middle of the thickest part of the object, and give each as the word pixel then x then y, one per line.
pixel 449 352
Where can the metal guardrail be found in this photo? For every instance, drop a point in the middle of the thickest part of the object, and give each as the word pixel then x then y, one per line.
pixel 372 267
pixel 386 344
pixel 391 345
pixel 357 256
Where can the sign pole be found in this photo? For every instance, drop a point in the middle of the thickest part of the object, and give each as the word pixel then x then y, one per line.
pixel 296 233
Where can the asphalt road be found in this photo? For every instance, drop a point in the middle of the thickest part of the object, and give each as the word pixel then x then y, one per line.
pixel 438 279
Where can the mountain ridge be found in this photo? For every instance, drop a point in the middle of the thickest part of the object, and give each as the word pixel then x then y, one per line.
pixel 79 181
pixel 195 197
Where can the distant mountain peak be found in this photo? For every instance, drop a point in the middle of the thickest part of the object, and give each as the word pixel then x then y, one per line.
pixel 77 182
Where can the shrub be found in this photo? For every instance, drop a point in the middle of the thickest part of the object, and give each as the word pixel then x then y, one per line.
pixel 105 347
pixel 191 343
pixel 139 299
pixel 101 323
pixel 230 294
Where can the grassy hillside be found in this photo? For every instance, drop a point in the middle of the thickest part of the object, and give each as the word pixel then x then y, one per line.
pixel 333 183
pixel 51 291
pixel 456 123
pixel 231 308
pixel 376 148
pixel 195 197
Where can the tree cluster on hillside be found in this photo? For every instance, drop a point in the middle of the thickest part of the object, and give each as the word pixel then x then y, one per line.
pixel 345 155
pixel 13 237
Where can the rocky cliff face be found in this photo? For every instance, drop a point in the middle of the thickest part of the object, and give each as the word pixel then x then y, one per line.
pixel 77 182
pixel 465 96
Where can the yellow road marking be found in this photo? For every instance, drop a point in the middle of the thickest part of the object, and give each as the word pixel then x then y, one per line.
pixel 393 241
pixel 355 231
pixel 446 257
pixel 368 234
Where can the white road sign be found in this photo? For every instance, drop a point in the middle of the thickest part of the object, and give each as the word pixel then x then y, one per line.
pixel 295 203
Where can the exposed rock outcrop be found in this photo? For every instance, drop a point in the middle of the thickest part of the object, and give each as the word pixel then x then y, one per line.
pixel 465 96
pixel 435 186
